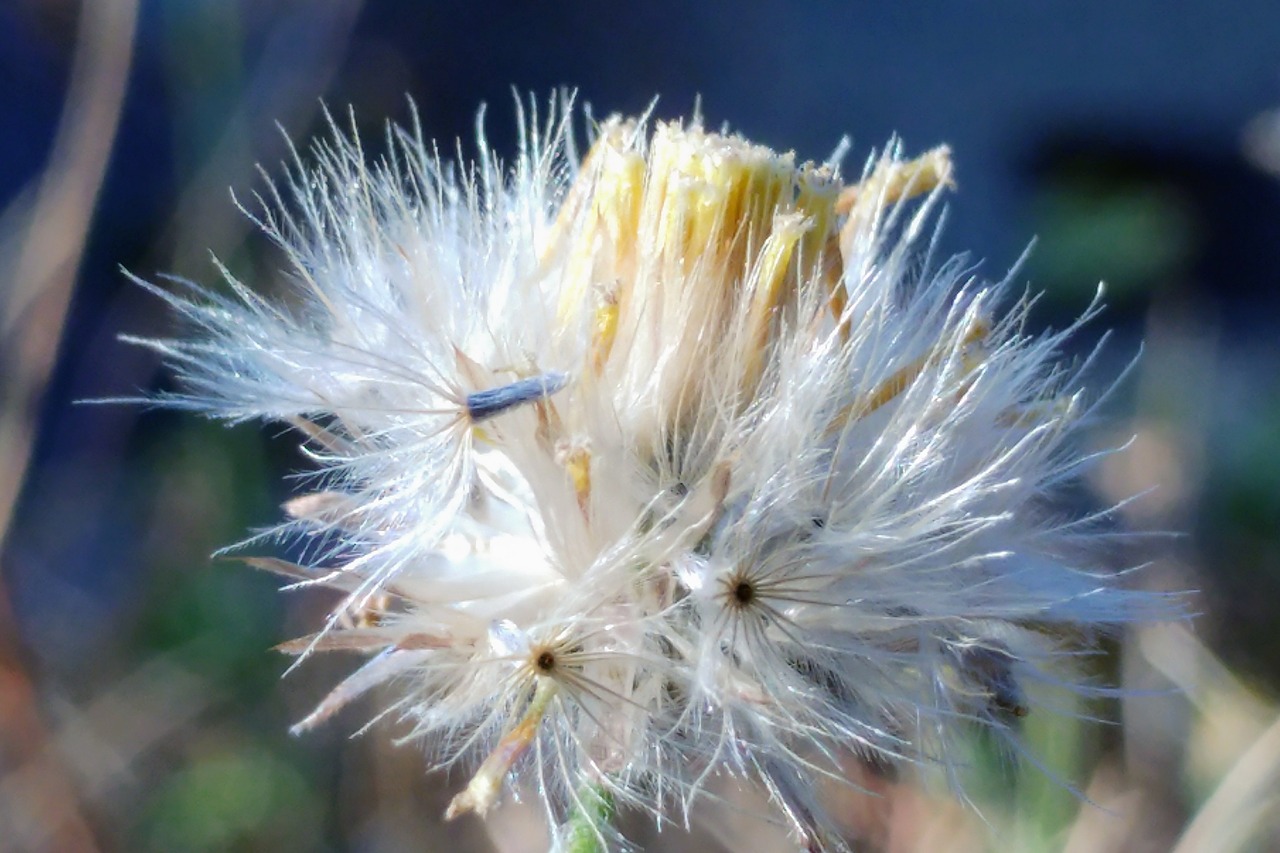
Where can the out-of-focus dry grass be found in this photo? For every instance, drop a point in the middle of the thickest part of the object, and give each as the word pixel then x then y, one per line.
pixel 39 801
pixel 165 755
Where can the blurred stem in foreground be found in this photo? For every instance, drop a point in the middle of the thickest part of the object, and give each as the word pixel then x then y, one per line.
pixel 34 308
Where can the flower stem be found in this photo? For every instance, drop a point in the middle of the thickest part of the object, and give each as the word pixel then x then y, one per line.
pixel 585 829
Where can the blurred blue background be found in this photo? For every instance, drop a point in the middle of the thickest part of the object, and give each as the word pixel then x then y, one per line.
pixel 1138 142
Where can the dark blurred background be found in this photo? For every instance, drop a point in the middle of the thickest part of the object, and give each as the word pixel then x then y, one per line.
pixel 140 706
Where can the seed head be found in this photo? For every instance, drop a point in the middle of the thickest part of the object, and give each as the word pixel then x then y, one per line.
pixel 673 461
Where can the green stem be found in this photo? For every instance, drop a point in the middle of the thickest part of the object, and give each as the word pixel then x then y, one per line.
pixel 586 827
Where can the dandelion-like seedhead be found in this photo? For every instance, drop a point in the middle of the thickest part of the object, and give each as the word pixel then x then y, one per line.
pixel 675 461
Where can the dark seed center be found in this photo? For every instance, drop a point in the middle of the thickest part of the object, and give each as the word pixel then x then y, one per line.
pixel 546 661
pixel 744 592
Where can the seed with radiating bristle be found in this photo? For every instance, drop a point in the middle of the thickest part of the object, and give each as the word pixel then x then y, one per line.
pixel 482 405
